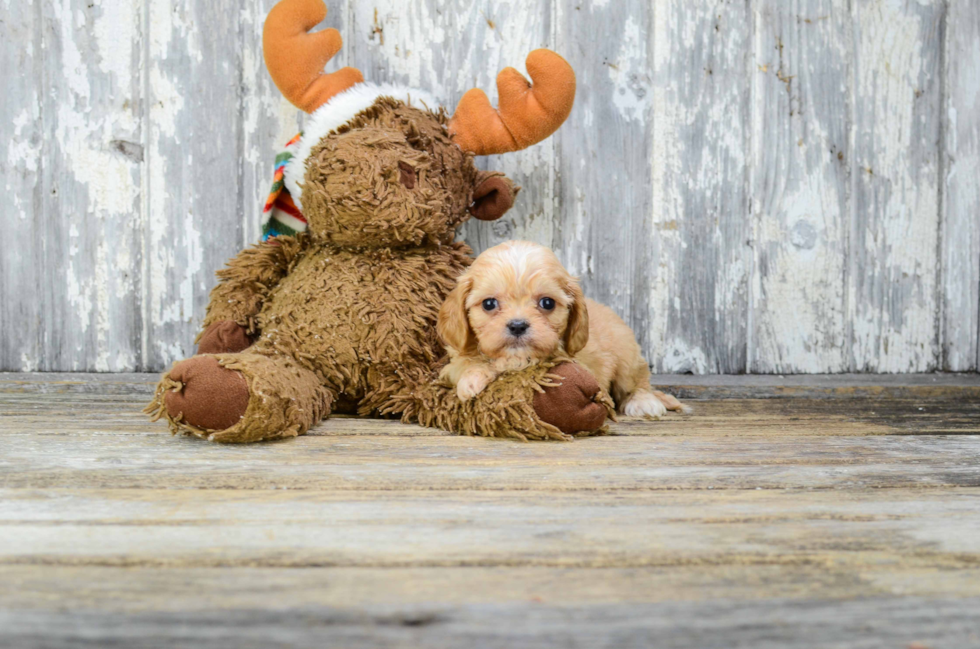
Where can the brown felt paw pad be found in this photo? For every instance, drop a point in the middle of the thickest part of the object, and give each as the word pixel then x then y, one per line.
pixel 224 337
pixel 571 406
pixel 212 397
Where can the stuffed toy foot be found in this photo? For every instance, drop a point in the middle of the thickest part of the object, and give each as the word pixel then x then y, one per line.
pixel 574 404
pixel 237 398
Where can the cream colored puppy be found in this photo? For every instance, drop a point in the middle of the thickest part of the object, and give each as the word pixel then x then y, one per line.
pixel 517 305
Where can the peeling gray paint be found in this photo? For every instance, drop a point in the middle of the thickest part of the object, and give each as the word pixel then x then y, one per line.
pixel 801 168
pixel 960 261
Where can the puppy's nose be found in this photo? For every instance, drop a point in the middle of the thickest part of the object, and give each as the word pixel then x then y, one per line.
pixel 518 327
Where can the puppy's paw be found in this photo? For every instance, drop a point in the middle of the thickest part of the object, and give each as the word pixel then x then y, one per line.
pixel 472 383
pixel 644 404
pixel 671 403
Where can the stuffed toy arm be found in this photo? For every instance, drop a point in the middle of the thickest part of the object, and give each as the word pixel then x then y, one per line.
pixel 243 286
pixel 557 400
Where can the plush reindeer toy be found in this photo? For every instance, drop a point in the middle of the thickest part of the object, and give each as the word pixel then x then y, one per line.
pixel 337 309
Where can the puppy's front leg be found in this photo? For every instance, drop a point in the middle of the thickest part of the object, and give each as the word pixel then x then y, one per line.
pixel 473 380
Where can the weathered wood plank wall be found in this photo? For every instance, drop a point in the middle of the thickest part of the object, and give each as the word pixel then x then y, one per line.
pixel 960 260
pixel 800 182
pixel 756 186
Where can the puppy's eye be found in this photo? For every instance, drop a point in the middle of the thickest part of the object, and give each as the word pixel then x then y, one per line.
pixel 546 303
pixel 489 304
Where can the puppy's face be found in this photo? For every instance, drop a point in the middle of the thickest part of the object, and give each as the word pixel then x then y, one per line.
pixel 515 302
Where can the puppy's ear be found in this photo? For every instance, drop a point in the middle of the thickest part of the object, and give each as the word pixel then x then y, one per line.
pixel 576 335
pixel 453 325
pixel 493 195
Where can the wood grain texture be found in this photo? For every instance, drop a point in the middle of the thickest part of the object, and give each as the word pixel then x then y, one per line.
pixel 361 528
pixel 604 157
pixel 397 462
pixel 409 43
pixel 89 256
pixel 893 309
pixel 803 411
pixel 21 166
pixel 801 185
pixel 114 590
pixel 193 205
pixel 960 260
pixel 889 621
pixel 754 186
pixel 763 522
pixel 698 310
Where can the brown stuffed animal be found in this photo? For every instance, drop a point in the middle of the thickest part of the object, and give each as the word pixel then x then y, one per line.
pixel 342 315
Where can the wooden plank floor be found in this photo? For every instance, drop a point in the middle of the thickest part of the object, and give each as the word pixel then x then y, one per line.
pixel 820 511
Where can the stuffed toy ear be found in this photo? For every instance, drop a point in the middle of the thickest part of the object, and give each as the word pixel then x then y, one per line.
pixel 576 335
pixel 493 196
pixel 453 325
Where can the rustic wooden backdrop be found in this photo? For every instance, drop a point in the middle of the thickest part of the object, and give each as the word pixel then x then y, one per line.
pixel 755 185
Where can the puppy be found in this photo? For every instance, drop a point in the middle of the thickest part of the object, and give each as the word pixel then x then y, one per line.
pixel 517 305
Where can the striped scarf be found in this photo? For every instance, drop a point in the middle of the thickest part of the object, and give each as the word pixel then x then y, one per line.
pixel 280 216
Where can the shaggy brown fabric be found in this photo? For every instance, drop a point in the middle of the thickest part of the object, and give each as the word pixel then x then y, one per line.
pixel 346 312
pixel 577 408
pixel 505 408
pixel 206 395
pixel 353 195
pixel 223 337
pixel 246 281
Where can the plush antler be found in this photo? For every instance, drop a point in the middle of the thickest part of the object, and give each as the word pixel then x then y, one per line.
pixel 295 58
pixel 527 114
